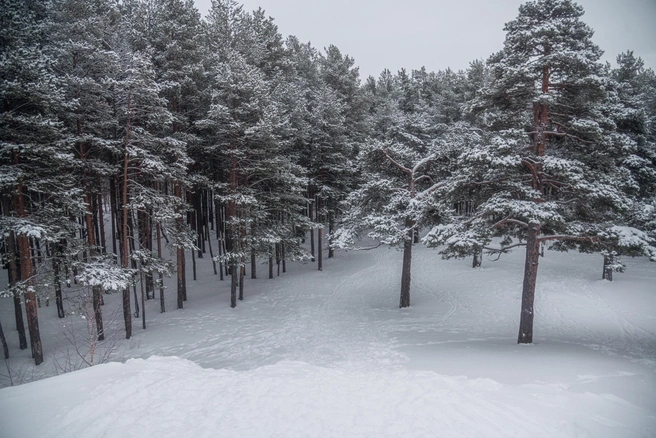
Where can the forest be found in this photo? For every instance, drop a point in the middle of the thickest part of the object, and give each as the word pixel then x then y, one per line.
pixel 137 137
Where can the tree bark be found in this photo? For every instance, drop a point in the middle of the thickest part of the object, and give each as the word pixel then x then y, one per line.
pixel 180 252
pixel 56 270
pixel 311 214
pixel 127 314
pixel 319 237
pixel 528 288
pixel 5 347
pixel 478 259
pixel 407 264
pixel 331 230
pixel 14 277
pixel 26 277
pixel 161 276
pixel 91 241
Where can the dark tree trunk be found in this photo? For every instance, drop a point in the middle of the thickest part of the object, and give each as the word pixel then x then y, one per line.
pixel 609 261
pixel 23 246
pixel 5 347
pixel 253 266
pixel 127 314
pixel 101 225
pixel 311 213
pixel 233 286
pixel 270 266
pixel 193 263
pixel 478 259
pixel 56 271
pixel 319 237
pixel 180 253
pixel 331 230
pixel 14 277
pixel 208 236
pixel 405 274
pixel 91 241
pixel 242 275
pixel 113 211
pixel 161 276
pixel 528 288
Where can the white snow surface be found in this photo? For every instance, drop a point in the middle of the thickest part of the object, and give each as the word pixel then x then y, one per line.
pixel 330 354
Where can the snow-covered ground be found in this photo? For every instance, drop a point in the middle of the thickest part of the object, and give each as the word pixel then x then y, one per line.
pixel 330 354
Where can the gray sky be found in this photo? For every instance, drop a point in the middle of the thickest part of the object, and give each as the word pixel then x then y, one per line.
pixel 442 33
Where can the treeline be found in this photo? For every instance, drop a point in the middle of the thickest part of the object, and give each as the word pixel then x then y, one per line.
pixel 129 127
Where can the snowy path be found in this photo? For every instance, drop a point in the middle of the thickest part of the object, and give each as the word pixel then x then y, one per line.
pixel 331 354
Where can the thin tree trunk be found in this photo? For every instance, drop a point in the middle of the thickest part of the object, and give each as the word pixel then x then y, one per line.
pixel 143 305
pixel 253 266
pixel 478 259
pixel 331 230
pixel 113 209
pixel 405 274
pixel 127 314
pixel 26 277
pixel 528 288
pixel 319 236
pixel 270 266
pixel 14 277
pixel 56 270
pixel 233 286
pixel 311 214
pixel 180 253
pixel 208 236
pixel 193 263
pixel 161 276
pixel 101 224
pixel 91 241
pixel 242 276
pixel 5 347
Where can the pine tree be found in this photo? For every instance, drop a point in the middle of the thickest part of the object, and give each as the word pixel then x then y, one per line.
pixel 547 172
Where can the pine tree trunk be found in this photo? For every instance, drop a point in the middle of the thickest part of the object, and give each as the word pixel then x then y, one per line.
pixel 5 347
pixel 270 266
pixel 208 236
pixel 233 286
pixel 113 211
pixel 29 295
pixel 331 230
pixel 180 253
pixel 161 276
pixel 242 275
pixel 609 261
pixel 101 224
pixel 253 266
pixel 478 259
pixel 311 214
pixel 528 288
pixel 405 274
pixel 319 237
pixel 14 277
pixel 56 269
pixel 127 314
pixel 91 241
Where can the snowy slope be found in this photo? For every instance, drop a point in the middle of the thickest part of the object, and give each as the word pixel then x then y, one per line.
pixel 330 354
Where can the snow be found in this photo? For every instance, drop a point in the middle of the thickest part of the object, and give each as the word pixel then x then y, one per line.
pixel 330 354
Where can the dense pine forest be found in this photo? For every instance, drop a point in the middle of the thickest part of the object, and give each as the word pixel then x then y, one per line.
pixel 138 137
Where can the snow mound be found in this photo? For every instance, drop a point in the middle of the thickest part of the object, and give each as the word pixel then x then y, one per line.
pixel 173 397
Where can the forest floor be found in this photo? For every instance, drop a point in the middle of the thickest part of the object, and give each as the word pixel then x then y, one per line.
pixel 329 353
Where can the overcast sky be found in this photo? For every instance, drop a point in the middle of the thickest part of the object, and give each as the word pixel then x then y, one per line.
pixel 442 33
